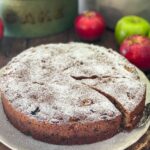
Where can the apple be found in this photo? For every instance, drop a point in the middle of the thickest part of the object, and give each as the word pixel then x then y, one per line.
pixel 1 29
pixel 89 25
pixel 131 25
pixel 136 49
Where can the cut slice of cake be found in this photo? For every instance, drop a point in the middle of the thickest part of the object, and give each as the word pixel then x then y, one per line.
pixel 128 96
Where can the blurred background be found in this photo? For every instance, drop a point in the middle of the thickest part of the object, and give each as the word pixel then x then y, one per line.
pixel 29 23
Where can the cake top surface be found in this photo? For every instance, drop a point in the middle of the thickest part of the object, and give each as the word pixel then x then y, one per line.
pixel 54 82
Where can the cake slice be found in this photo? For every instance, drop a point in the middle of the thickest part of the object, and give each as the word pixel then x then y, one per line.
pixel 126 95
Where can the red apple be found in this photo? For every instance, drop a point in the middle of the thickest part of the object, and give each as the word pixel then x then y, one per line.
pixel 89 25
pixel 136 49
pixel 1 29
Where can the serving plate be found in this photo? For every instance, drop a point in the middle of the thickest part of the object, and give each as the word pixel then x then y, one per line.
pixel 15 140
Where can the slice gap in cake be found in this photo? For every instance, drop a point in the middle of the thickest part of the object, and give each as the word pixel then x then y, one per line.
pixel 84 77
pixel 118 106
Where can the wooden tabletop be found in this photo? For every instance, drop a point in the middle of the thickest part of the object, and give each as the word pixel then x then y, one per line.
pixel 10 47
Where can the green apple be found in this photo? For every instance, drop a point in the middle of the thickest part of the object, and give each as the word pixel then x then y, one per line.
pixel 131 25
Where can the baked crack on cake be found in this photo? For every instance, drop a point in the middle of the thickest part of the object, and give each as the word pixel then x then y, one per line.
pixel 71 93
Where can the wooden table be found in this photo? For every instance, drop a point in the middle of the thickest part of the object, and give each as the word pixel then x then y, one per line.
pixel 10 47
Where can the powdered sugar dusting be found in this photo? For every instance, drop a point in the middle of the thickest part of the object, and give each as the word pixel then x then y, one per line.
pixel 39 82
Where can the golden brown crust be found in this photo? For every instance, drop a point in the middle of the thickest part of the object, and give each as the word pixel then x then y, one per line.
pixel 74 133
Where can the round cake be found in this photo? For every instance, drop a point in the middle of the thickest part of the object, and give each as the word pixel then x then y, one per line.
pixel 71 93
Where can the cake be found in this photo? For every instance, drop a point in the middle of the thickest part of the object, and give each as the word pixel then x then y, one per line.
pixel 71 93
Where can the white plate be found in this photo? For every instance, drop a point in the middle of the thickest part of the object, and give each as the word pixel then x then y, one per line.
pixel 15 140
